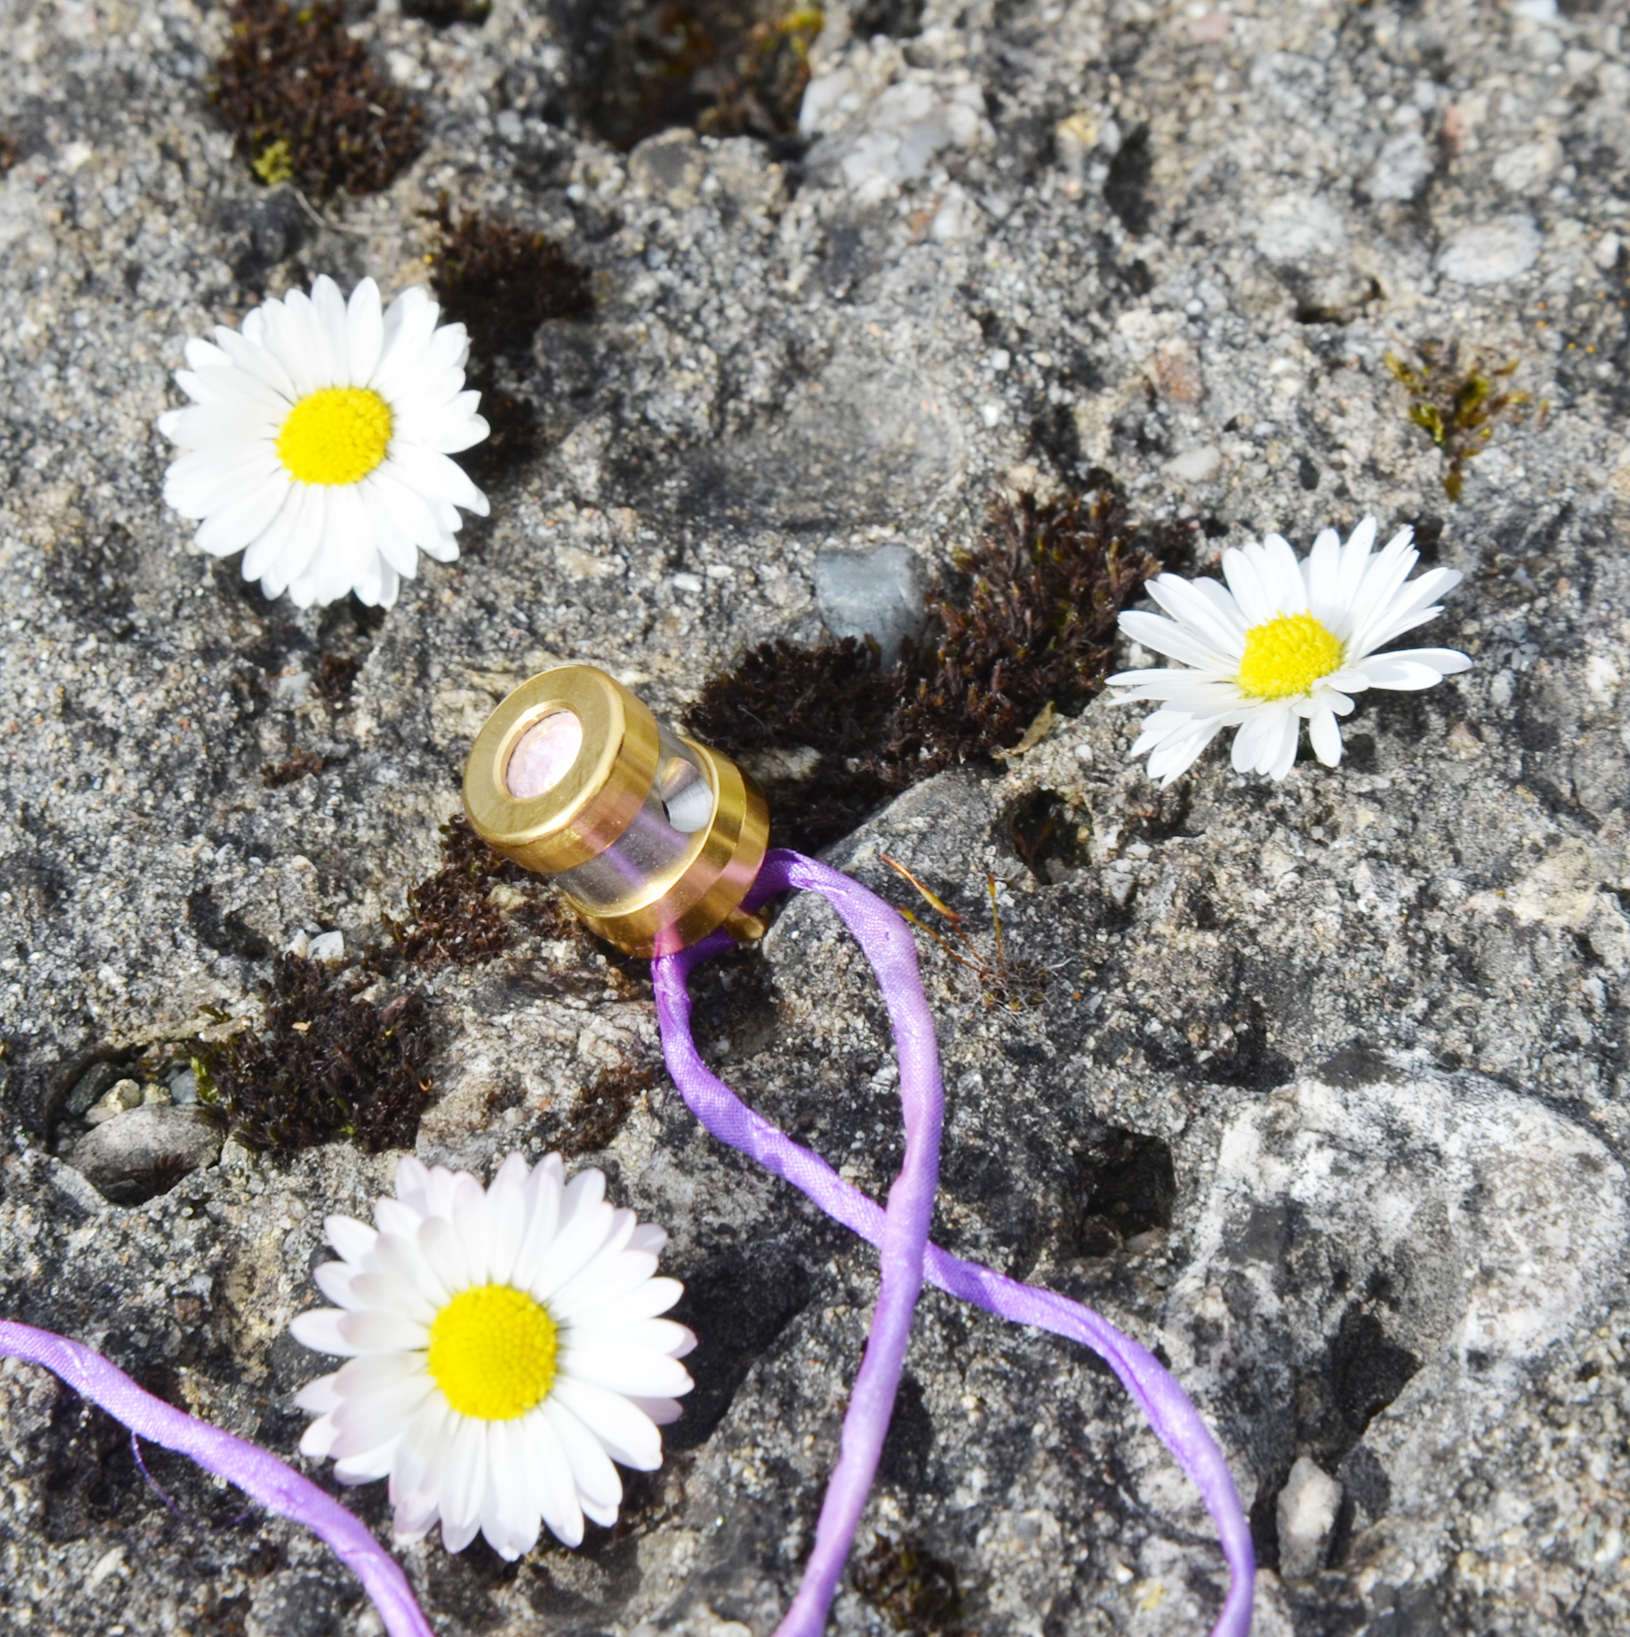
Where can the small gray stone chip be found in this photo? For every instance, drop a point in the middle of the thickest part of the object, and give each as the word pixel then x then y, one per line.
pixel 1496 251
pixel 876 594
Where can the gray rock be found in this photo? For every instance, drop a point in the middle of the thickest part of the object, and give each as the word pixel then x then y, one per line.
pixel 1427 1237
pixel 91 1086
pixel 670 166
pixel 876 594
pixel 146 1151
pixel 1402 167
pixel 880 124
pixel 1296 229
pixel 1492 252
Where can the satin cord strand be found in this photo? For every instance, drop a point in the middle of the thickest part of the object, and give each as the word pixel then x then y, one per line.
pixel 1170 1413
pixel 257 1472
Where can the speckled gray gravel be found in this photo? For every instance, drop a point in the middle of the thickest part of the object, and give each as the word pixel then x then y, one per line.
pixel 1326 1091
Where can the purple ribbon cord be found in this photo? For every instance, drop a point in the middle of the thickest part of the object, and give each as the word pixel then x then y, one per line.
pixel 907 1256
pixel 257 1472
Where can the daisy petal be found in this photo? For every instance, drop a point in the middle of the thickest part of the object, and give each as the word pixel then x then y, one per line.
pixel 1282 756
pixel 554 1487
pixel 352 1239
pixel 1410 669
pixel 629 1435
pixel 364 332
pixel 1174 641
pixel 1325 737
pixel 595 1476
pixel 1252 593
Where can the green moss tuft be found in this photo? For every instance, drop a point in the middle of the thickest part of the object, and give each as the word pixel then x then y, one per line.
pixel 1456 408
pixel 914 1590
pixel 722 67
pixel 331 1060
pixel 307 105
pixel 273 164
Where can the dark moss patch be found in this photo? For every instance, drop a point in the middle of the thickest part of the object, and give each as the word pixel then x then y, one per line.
pixel 501 282
pixel 301 765
pixel 600 1108
pixel 307 105
pixel 336 673
pixel 333 1059
pixel 1028 621
pixel 914 1590
pixel 722 67
pixel 835 699
pixel 444 13
pixel 453 915
pixel 832 698
pixel 1031 621
pixel 1456 404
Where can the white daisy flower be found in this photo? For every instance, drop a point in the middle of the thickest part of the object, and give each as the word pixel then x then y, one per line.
pixel 317 442
pixel 505 1348
pixel 1284 642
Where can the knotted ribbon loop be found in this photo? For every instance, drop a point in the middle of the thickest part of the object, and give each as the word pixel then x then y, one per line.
pixel 906 1254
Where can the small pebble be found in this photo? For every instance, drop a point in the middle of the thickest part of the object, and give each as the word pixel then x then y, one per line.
pixel 1493 252
pixel 126 1094
pixel 876 594
pixel 91 1085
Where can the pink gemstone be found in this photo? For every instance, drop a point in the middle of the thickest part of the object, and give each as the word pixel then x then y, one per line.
pixel 546 750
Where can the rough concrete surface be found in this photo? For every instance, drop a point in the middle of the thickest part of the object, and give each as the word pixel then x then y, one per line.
pixel 1320 1089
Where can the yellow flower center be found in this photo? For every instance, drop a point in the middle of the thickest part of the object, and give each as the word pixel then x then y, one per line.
pixel 492 1352
pixel 335 435
pixel 1287 655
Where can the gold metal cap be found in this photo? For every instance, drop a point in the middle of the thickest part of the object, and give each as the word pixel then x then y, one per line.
pixel 598 819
